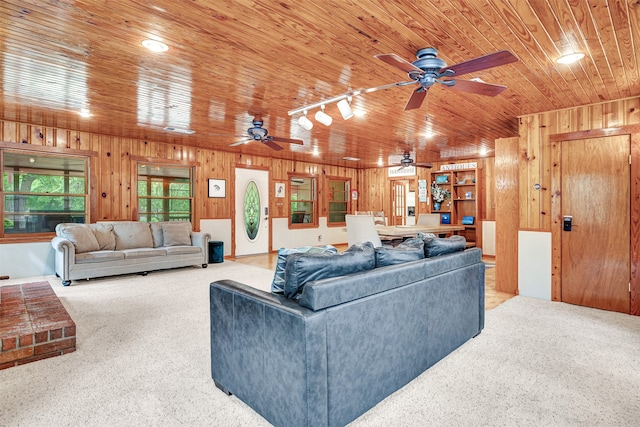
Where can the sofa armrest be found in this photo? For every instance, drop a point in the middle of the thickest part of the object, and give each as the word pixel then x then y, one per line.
pixel 262 341
pixel 65 256
pixel 201 240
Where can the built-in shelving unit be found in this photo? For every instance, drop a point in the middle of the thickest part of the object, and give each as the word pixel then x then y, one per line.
pixel 463 208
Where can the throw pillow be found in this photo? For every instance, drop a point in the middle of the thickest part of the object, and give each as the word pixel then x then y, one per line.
pixel 434 246
pixel 104 235
pixel 157 234
pixel 303 268
pixel 81 236
pixel 409 250
pixel 176 233
pixel 132 235
pixel 277 286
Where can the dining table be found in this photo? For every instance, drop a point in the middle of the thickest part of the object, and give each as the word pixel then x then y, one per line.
pixel 402 231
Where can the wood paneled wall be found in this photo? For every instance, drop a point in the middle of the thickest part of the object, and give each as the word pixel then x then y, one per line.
pixel 536 166
pixel 116 159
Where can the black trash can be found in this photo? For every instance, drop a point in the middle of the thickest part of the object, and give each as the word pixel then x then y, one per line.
pixel 216 252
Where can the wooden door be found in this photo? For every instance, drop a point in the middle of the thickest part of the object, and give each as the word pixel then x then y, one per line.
pixel 252 212
pixel 596 252
pixel 399 203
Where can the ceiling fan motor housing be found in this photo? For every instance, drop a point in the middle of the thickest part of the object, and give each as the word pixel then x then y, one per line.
pixel 430 64
pixel 257 132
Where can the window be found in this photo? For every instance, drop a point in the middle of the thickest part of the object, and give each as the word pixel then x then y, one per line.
pixel 40 191
pixel 165 193
pixel 303 201
pixel 339 193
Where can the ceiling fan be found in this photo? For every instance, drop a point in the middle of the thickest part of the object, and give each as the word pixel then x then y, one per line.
pixel 258 133
pixel 428 69
pixel 407 161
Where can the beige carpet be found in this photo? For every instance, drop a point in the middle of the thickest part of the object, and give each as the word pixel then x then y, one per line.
pixel 143 359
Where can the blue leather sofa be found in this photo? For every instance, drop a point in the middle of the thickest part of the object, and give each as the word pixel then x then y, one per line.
pixel 348 342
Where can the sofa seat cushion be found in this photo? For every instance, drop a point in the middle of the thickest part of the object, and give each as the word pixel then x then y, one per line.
pixel 308 267
pixel 143 253
pixel 176 250
pixel 80 235
pixel 409 250
pixel 99 256
pixel 132 235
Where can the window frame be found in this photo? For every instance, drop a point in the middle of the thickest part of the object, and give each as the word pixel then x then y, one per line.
pixel 137 162
pixel 314 201
pixel 347 199
pixel 90 201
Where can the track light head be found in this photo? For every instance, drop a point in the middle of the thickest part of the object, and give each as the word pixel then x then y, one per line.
pixel 323 117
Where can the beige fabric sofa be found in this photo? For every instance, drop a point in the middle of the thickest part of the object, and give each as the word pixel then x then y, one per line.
pixel 84 251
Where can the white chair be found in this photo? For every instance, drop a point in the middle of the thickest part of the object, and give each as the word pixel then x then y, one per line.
pixel 429 219
pixel 379 218
pixel 361 228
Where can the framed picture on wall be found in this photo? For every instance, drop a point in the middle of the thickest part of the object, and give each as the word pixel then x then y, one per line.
pixel 217 188
pixel 279 189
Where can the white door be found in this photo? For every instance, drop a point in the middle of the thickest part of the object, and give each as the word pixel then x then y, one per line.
pixel 252 211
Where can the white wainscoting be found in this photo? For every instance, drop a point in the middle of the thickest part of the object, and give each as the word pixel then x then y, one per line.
pixel 534 264
pixel 220 230
pixel 283 237
pixel 19 260
pixel 489 238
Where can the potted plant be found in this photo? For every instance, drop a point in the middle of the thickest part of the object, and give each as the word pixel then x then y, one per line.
pixel 439 195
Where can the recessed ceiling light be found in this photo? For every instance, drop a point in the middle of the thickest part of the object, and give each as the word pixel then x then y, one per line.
pixel 178 130
pixel 570 58
pixel 155 45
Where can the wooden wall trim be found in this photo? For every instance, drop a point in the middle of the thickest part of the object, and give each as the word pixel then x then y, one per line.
pixel 507 214
pixel 595 133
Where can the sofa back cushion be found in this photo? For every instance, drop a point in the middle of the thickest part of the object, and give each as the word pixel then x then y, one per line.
pixel 409 250
pixel 132 235
pixel 157 234
pixel 80 235
pixel 303 268
pixel 176 233
pixel 104 235
pixel 434 246
pixel 277 286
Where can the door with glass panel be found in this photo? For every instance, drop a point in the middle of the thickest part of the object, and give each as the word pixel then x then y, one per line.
pixel 252 212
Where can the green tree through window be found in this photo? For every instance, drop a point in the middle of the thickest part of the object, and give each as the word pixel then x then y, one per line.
pixel 164 193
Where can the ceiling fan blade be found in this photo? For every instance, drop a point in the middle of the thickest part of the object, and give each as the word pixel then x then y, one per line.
pixel 394 60
pixel 269 143
pixel 244 141
pixel 480 88
pixel 491 60
pixel 287 140
pixel 427 165
pixel 416 99
pixel 383 87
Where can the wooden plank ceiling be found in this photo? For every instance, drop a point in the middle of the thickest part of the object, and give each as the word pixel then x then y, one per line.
pixel 230 60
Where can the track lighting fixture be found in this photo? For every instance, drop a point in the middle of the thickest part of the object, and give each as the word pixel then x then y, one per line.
pixel 323 117
pixel 345 108
pixel 305 122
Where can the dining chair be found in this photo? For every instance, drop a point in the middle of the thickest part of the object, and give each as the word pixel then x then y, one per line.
pixel 429 219
pixel 361 228
pixel 379 218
